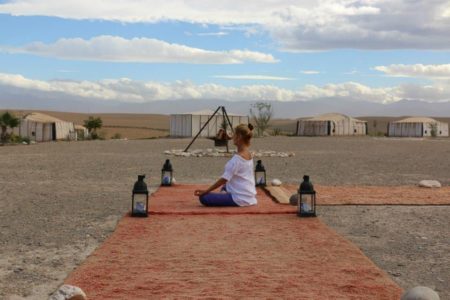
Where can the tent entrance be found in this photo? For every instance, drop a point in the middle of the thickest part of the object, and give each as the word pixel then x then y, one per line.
pixel 53 131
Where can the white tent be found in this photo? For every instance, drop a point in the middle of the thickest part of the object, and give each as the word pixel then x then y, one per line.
pixel 189 124
pixel 417 127
pixel 39 127
pixel 331 124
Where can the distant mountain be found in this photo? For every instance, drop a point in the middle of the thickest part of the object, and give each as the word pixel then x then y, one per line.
pixel 281 109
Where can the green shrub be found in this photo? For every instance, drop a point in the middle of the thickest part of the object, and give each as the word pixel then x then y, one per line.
pixel 434 129
pixel 17 139
pixel 277 131
pixel 93 136
pixel 377 134
pixel 101 135
pixel 116 136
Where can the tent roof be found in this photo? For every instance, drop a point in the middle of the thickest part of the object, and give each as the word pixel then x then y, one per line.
pixel 333 117
pixel 41 118
pixel 208 112
pixel 417 120
pixel 80 127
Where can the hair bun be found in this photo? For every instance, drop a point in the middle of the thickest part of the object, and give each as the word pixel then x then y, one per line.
pixel 250 126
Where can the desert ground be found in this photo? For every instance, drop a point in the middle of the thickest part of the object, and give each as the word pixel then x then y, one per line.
pixel 60 200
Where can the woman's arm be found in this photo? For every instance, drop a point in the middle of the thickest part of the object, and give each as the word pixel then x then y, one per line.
pixel 217 184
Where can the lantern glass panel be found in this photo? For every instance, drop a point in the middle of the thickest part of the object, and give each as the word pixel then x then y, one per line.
pixel 307 203
pixel 139 203
pixel 166 177
pixel 260 178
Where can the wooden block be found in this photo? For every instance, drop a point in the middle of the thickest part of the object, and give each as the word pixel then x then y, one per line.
pixel 279 193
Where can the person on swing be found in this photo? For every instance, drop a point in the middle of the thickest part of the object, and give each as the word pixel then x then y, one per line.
pixel 237 181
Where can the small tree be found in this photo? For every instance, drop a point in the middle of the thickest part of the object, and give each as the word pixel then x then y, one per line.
pixel 261 113
pixel 92 124
pixel 7 120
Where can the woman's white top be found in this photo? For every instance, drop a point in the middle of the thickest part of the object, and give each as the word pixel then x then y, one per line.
pixel 240 180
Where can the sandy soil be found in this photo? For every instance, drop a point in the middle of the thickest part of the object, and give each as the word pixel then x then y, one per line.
pixel 58 201
pixel 408 242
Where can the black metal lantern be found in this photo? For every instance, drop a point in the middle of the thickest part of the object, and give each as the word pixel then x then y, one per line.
pixel 260 174
pixel 139 199
pixel 306 199
pixel 167 174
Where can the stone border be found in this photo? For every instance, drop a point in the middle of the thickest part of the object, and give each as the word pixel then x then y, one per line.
pixel 214 152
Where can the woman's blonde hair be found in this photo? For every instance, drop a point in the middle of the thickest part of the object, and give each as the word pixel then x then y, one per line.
pixel 245 132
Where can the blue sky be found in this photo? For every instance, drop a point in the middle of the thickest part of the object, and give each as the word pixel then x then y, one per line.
pixel 294 50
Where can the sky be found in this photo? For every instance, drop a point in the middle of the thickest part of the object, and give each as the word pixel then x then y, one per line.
pixel 139 51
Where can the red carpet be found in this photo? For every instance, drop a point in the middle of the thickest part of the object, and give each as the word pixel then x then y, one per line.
pixel 379 195
pixel 228 256
pixel 180 199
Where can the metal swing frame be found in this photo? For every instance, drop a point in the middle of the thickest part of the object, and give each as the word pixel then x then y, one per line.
pixel 225 117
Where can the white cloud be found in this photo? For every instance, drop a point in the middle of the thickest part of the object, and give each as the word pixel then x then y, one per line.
pixel 83 89
pixel 118 49
pixel 417 70
pixel 201 12
pixel 352 72
pixel 350 90
pixel 132 91
pixel 295 24
pixel 218 34
pixel 253 77
pixel 310 72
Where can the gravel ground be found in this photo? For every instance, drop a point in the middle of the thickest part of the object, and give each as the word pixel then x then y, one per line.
pixel 59 201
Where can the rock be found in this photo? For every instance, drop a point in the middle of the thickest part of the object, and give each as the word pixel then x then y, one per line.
pixel 430 184
pixel 276 182
pixel 68 292
pixel 293 200
pixel 420 293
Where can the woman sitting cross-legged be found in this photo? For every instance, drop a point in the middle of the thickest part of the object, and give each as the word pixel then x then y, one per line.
pixel 237 181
